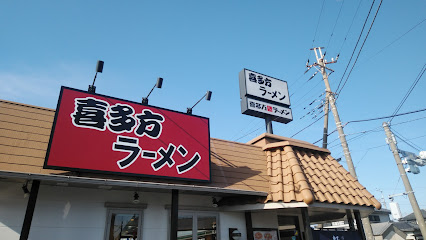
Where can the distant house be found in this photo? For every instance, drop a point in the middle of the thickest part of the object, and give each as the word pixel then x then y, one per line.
pixel 387 230
pixel 395 230
pixel 379 216
pixel 412 219
pixel 383 228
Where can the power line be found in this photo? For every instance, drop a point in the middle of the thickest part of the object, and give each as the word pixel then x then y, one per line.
pixel 307 126
pixel 394 41
pixel 350 27
pixel 362 46
pixel 394 124
pixel 356 45
pixel 419 76
pixel 405 140
pixel 335 23
pixel 396 115
pixel 316 29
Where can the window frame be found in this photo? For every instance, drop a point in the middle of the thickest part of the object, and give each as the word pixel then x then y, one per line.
pixel 111 209
pixel 195 214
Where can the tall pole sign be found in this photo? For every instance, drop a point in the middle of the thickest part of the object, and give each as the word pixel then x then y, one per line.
pixel 264 97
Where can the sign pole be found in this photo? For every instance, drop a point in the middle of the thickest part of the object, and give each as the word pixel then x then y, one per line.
pixel 268 123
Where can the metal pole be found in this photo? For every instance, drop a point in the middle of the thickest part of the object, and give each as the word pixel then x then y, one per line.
pixel 407 185
pixel 359 224
pixel 350 220
pixel 26 226
pixel 268 123
pixel 249 226
pixel 174 215
pixel 306 224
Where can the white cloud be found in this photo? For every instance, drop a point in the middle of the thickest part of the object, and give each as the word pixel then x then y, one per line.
pixel 39 88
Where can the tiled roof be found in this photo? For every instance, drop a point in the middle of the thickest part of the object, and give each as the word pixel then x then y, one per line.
pixel 300 171
pixel 412 217
pixel 291 170
pixel 24 136
pixel 380 228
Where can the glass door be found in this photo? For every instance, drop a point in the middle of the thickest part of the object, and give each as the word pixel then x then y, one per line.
pixel 197 225
pixel 124 225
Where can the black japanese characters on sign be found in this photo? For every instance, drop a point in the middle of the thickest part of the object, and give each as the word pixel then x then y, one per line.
pixel 263 87
pixel 257 108
pixel 259 79
pixel 269 108
pixel 273 94
pixel 263 96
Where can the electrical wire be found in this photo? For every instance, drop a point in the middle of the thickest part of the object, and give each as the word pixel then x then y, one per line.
pixel 419 76
pixel 356 45
pixel 362 46
pixel 405 140
pixel 335 23
pixel 394 124
pixel 307 126
pixel 350 27
pixel 316 29
pixel 396 115
pixel 394 41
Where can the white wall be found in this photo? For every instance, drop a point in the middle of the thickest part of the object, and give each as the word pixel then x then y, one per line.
pixel 12 210
pixel 265 219
pixel 232 220
pixel 68 213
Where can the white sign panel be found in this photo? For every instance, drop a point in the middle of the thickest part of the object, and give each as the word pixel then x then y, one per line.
pixel 264 87
pixel 396 212
pixel 258 108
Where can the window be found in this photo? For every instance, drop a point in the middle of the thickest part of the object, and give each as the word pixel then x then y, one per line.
pixel 124 224
pixel 197 225
pixel 374 218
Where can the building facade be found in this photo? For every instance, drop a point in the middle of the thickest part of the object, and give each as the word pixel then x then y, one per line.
pixel 269 188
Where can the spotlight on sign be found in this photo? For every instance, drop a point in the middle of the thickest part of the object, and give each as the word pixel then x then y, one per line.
pixel 25 189
pixel 99 68
pixel 159 84
pixel 208 96
pixel 215 203
pixel 136 198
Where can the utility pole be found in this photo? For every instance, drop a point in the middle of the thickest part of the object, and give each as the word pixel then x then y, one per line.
pixel 419 217
pixel 329 99
pixel 383 198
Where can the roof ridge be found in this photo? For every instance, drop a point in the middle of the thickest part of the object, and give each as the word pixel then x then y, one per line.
pixel 27 105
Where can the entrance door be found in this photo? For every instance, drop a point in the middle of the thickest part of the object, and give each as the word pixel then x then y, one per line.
pixel 289 228
pixel 197 225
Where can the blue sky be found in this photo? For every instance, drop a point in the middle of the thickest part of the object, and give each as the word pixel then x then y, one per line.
pixel 202 45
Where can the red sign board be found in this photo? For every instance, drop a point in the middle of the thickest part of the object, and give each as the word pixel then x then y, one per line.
pixel 93 132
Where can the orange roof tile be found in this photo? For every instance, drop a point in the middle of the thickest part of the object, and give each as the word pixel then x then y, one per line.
pixel 315 175
pixel 288 169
